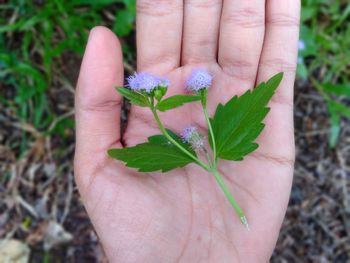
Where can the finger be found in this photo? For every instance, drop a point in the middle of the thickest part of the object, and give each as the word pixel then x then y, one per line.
pixel 97 103
pixel 280 54
pixel 241 39
pixel 201 30
pixel 159 33
pixel 281 45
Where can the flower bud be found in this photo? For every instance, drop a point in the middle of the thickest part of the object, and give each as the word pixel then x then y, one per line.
pixel 158 94
pixel 192 136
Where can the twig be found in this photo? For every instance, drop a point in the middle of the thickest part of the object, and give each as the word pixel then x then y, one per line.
pixel 60 118
pixel 68 199
pixel 346 212
pixel 26 205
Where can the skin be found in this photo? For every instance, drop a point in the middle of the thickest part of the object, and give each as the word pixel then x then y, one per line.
pixel 183 216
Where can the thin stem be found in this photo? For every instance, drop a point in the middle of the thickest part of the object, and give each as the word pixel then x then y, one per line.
pixel 211 132
pixel 212 163
pixel 229 196
pixel 320 90
pixel 171 139
pixel 208 157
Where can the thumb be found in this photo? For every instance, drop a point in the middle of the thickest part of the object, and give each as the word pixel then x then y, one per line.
pixel 97 104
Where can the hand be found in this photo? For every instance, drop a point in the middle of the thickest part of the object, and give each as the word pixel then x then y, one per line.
pixel 183 216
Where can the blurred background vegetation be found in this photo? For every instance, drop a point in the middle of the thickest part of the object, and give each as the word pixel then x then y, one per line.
pixel 324 55
pixel 41 45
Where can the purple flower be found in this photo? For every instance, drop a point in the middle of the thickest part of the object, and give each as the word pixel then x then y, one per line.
pixel 191 135
pixel 301 45
pixel 199 79
pixel 187 133
pixel 146 82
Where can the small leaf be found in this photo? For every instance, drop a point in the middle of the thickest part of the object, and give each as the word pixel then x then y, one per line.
pixel 238 123
pixel 302 71
pixel 94 3
pixel 335 126
pixel 339 108
pixel 156 154
pixel 176 101
pixel 337 89
pixel 134 97
pixel 124 19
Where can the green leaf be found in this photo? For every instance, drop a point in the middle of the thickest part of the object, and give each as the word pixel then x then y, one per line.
pixel 337 89
pixel 302 71
pixel 339 108
pixel 134 97
pixel 125 18
pixel 156 154
pixel 176 101
pixel 335 126
pixel 238 123
pixel 124 22
pixel 94 3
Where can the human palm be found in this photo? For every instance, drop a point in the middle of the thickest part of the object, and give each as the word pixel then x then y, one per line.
pixel 182 215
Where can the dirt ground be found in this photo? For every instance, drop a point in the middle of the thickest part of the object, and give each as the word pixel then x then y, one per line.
pixel 317 224
pixel 38 194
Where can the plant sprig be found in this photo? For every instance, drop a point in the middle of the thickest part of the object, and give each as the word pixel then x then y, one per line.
pixel 232 130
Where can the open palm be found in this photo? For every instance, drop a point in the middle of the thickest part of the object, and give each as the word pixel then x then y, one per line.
pixel 183 216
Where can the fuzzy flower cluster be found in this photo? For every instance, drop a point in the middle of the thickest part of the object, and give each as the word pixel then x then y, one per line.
pixel 199 79
pixel 301 44
pixel 301 47
pixel 192 136
pixel 146 82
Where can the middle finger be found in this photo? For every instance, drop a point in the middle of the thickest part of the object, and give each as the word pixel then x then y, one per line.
pixel 201 30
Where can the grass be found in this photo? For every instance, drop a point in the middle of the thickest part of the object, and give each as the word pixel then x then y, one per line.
pixel 36 38
pixel 35 42
pixel 41 45
pixel 324 56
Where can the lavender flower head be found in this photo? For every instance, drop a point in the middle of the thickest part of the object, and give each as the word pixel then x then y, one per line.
pixel 192 136
pixel 146 82
pixel 200 79
pixel 301 45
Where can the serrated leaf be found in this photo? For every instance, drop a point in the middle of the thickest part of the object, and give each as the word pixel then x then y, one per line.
pixel 238 123
pixel 134 97
pixel 176 101
pixel 156 154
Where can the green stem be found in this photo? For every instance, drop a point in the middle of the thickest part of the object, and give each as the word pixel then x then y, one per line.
pixel 208 158
pixel 210 128
pixel 171 139
pixel 229 196
pixel 212 164
pixel 320 90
